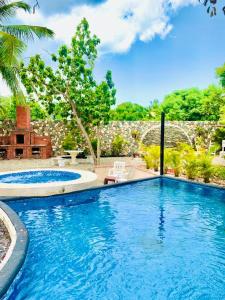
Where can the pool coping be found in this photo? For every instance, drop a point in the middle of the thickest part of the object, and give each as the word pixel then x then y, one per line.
pixel 16 257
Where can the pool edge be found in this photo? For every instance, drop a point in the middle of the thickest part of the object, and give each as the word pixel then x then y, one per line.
pixel 19 251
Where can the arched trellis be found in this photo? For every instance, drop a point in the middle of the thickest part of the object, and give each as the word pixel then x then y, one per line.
pixel 167 125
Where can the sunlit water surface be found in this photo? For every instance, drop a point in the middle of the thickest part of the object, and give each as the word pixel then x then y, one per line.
pixel 38 176
pixel 157 239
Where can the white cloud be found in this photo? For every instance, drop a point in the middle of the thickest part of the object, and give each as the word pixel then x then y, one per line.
pixel 118 23
pixel 178 3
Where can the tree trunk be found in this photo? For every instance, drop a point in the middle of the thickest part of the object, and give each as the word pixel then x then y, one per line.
pixel 98 146
pixel 84 132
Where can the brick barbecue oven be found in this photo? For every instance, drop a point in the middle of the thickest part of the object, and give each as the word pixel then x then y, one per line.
pixel 23 142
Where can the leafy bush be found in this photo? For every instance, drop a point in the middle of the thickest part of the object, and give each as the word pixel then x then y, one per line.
pixel 118 144
pixel 219 172
pixel 69 142
pixel 214 149
pixel 135 134
pixel 152 157
pixel 205 167
pixel 175 162
pixel 191 166
pixel 185 149
pixel 218 136
pixel 167 158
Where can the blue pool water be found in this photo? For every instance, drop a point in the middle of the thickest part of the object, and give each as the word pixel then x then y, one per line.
pixel 157 239
pixel 38 176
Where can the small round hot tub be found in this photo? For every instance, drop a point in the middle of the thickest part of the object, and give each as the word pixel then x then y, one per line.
pixel 44 182
pixel 40 176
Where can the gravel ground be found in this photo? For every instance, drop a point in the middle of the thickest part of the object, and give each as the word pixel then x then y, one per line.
pixel 4 240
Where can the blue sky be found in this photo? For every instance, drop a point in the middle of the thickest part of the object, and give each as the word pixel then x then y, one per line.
pixel 157 51
pixel 186 58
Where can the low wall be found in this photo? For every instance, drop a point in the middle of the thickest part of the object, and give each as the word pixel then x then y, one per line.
pixel 146 131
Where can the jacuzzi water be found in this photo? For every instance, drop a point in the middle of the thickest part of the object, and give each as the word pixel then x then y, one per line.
pixel 38 176
pixel 158 239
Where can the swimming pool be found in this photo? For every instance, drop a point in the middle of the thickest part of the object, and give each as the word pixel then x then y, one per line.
pixel 155 239
pixel 38 176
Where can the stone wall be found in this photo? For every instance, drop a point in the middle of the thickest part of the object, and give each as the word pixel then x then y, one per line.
pixel 146 131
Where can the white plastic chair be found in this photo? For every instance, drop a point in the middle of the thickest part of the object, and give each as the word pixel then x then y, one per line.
pixel 119 171
pixel 119 165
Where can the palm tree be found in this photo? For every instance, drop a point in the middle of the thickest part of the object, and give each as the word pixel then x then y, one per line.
pixel 13 40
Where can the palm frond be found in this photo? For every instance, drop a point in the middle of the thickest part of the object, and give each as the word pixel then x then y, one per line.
pixel 11 41
pixel 27 32
pixel 8 10
pixel 10 76
pixel 11 49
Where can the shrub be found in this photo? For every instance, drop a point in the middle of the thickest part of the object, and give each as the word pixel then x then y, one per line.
pixel 148 161
pixel 135 134
pixel 219 172
pixel 191 166
pixel 205 167
pixel 185 149
pixel 118 145
pixel 218 136
pixel 167 157
pixel 214 149
pixel 175 162
pixel 69 142
pixel 152 157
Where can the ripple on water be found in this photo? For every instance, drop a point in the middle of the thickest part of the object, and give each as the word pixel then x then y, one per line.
pixel 142 241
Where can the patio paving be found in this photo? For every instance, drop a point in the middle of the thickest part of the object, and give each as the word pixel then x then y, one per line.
pixel 136 168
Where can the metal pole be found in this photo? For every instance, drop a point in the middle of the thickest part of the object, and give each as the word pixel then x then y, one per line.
pixel 162 143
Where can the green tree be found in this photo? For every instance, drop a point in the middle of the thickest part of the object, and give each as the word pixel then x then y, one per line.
pixel 155 110
pixel 194 104
pixel 104 98
pixel 71 83
pixel 183 105
pixel 212 103
pixel 12 41
pixel 129 111
pixel 9 111
pixel 220 72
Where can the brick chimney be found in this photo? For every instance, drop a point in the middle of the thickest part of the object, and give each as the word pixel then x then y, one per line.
pixel 23 117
